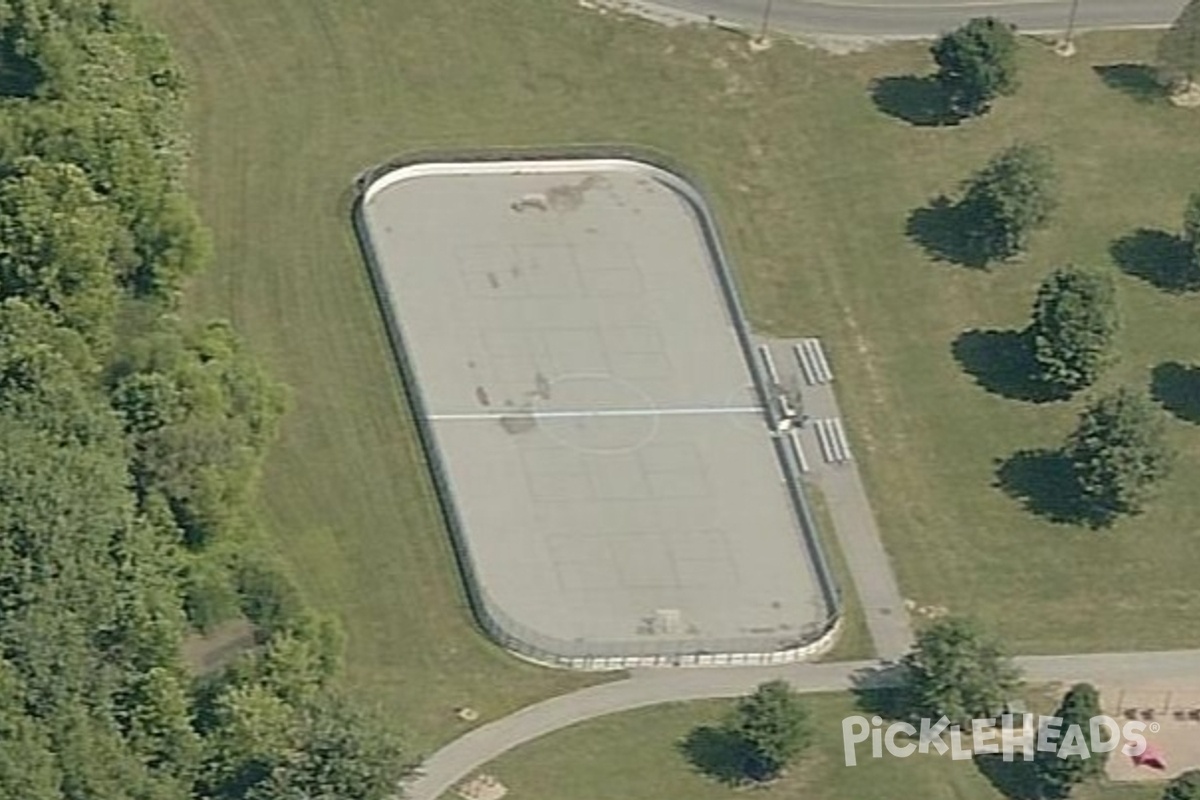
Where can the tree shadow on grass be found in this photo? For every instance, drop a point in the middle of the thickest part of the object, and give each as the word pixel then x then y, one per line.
pixel 921 101
pixel 1159 258
pixel 718 753
pixel 882 690
pixel 1139 81
pixel 1002 362
pixel 1015 779
pixel 1177 387
pixel 944 229
pixel 1044 482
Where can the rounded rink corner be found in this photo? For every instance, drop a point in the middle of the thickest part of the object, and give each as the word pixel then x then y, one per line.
pixel 595 419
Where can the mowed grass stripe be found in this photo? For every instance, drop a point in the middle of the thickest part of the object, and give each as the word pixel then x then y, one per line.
pixel 346 494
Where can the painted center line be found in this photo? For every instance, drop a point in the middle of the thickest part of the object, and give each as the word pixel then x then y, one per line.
pixel 601 412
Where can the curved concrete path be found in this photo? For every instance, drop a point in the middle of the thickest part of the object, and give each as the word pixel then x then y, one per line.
pixel 460 758
pixel 899 19
pixel 464 755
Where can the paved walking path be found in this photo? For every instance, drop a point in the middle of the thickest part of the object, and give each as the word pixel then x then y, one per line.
pixel 858 536
pixel 899 19
pixel 854 526
pixel 465 755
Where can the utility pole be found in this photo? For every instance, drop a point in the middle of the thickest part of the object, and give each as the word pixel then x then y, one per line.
pixel 766 21
pixel 1067 46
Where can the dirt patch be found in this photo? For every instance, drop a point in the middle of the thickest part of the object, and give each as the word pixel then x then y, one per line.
pixel 1188 97
pixel 570 196
pixel 213 651
pixel 1171 712
pixel 518 423
pixel 875 379
pixel 482 787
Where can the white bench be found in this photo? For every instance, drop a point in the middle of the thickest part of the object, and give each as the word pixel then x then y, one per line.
pixel 794 435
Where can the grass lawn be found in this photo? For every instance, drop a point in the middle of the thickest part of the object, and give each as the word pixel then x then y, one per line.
pixel 812 184
pixel 637 756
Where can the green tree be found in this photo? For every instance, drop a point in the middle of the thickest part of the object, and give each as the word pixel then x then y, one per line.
pixel 59 243
pixel 1010 198
pixel 209 596
pixel 44 374
pixel 118 449
pixel 201 413
pixel 159 724
pixel 269 599
pixel 298 664
pixel 1057 777
pixel 1118 452
pixel 62 505
pixel 1074 325
pixel 1179 48
pixel 1184 787
pixel 773 725
pixel 95 762
pixel 314 745
pixel 341 754
pixel 115 114
pixel 253 729
pixel 149 564
pixel 977 63
pixel 27 764
pixel 957 672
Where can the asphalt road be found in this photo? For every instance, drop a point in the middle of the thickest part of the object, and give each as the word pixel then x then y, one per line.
pixel 907 18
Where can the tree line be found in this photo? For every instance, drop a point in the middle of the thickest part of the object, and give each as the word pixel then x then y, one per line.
pixel 130 444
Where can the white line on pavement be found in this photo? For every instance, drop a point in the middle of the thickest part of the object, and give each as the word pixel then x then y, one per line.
pixel 600 412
